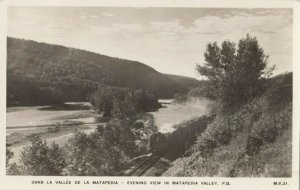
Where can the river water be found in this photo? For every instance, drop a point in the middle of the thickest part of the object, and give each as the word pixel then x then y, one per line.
pixel 24 121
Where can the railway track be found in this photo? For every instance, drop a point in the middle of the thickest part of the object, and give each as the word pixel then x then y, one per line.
pixel 143 166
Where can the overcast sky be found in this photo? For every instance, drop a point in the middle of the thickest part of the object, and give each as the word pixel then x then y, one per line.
pixel 171 40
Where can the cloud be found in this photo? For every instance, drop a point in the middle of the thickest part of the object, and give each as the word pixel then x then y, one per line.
pixel 172 26
pixel 82 17
pixel 108 14
pixel 273 30
pixel 171 43
pixel 94 16
pixel 119 27
pixel 246 24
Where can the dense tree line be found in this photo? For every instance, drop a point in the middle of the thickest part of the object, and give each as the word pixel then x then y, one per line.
pixel 26 92
pixel 123 102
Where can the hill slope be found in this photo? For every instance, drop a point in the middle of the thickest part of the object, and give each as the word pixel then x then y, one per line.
pixel 254 141
pixel 70 74
pixel 185 81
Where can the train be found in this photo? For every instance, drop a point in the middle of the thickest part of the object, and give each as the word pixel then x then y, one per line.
pixel 176 143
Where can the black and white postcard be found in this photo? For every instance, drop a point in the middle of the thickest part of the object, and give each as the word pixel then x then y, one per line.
pixel 149 94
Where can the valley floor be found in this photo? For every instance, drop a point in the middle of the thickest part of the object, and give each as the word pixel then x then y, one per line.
pixel 58 124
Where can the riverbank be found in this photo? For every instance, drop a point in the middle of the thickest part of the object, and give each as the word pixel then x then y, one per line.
pixel 51 123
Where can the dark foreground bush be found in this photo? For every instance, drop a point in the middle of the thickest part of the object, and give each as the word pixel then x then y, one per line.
pixel 39 159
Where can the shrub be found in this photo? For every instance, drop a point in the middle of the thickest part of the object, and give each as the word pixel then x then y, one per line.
pixel 87 156
pixel 101 153
pixel 9 155
pixel 180 98
pixel 39 159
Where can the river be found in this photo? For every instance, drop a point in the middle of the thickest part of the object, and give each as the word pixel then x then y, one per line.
pixel 24 121
pixel 52 123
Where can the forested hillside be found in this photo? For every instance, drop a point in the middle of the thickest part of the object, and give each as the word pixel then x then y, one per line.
pixel 185 81
pixel 40 73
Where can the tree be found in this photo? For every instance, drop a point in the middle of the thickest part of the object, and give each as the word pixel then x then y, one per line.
pixel 101 153
pixel 122 102
pixel 9 155
pixel 39 159
pixel 86 155
pixel 126 106
pixel 11 168
pixel 235 74
pixel 56 158
pixel 118 133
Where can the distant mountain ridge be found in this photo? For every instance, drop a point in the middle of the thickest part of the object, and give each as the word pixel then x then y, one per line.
pixel 71 74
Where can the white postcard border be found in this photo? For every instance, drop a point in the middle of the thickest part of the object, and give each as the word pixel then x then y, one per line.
pixel 25 182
